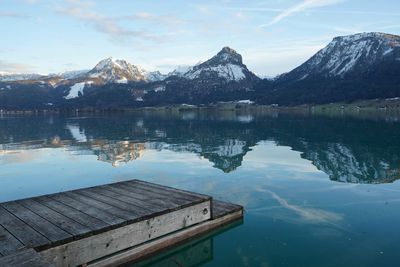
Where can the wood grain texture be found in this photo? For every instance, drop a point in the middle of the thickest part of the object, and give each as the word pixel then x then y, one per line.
pixel 149 249
pixel 79 226
pixel 172 189
pixel 41 225
pixel 221 208
pixel 148 197
pixel 8 243
pixel 97 246
pixel 62 221
pixel 166 189
pixel 96 209
pixel 23 232
pixel 84 219
pixel 24 258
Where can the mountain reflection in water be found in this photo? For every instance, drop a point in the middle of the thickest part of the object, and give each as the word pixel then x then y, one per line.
pixel 353 150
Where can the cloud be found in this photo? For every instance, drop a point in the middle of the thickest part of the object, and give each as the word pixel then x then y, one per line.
pixel 16 156
pixel 311 215
pixel 11 67
pixel 108 25
pixel 339 12
pixel 155 18
pixel 240 15
pixel 205 10
pixel 300 7
pixel 31 2
pixel 14 15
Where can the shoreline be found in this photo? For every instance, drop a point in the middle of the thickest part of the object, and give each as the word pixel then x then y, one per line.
pixel 380 105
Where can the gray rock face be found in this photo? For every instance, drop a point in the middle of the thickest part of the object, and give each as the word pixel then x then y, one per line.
pixel 352 53
pixel 115 70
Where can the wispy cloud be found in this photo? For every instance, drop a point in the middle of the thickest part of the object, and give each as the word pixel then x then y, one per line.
pixel 108 25
pixel 339 12
pixel 311 215
pixel 300 7
pixel 156 18
pixel 15 67
pixel 31 1
pixel 14 15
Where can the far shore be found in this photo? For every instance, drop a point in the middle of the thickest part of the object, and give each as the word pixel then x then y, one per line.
pixel 392 104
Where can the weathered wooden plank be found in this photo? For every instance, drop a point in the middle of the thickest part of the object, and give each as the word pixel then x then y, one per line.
pixel 24 258
pixel 168 192
pixel 56 218
pixel 139 206
pixel 125 215
pixel 104 220
pixel 91 248
pixel 8 243
pixel 170 189
pixel 143 196
pixel 78 216
pixel 92 208
pixel 47 229
pixel 23 232
pixel 107 197
pixel 162 193
pixel 150 248
pixel 221 208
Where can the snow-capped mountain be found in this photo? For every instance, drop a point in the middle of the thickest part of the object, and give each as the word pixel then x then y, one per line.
pixel 349 68
pixel 180 71
pixel 112 70
pixel 74 74
pixel 11 77
pixel 154 76
pixel 352 53
pixel 227 64
pixel 223 77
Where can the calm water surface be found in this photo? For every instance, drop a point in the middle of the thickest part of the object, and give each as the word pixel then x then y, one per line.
pixel 318 190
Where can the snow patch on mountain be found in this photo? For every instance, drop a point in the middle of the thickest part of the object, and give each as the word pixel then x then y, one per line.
pixel 227 64
pixel 388 51
pixel 229 72
pixel 77 89
pixel 74 74
pixel 154 76
pixel 159 88
pixel 180 71
pixel 122 80
pixel 8 77
pixel 344 53
pixel 116 70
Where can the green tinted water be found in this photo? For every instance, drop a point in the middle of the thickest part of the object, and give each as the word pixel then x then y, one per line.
pixel 318 191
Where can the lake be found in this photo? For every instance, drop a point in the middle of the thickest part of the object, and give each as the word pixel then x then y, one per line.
pixel 317 190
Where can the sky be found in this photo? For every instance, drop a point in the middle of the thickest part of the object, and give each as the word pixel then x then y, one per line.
pixel 39 36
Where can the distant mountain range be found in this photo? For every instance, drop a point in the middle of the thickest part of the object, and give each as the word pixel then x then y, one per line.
pixel 354 67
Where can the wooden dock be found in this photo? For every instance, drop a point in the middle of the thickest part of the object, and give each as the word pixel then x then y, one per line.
pixel 105 225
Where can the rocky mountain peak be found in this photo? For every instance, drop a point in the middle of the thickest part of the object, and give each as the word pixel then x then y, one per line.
pixel 368 35
pixel 227 55
pixel 110 62
pixel 116 70
pixel 350 54
pixel 226 64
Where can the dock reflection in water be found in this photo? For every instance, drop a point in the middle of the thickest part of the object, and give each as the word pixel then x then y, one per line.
pixel 194 253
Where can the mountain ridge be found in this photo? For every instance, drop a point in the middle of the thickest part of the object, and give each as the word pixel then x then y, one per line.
pixel 353 67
